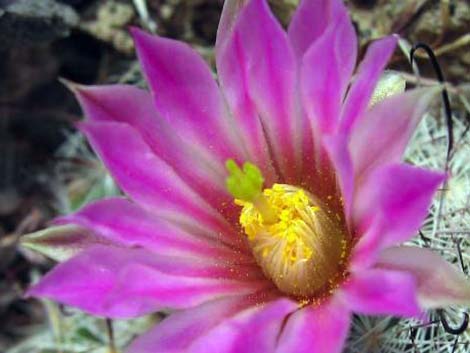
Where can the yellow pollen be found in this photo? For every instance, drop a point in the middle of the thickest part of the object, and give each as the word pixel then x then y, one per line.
pixel 294 239
pixel 287 226
pixel 299 243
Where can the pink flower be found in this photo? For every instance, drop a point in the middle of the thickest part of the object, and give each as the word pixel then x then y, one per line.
pixel 320 207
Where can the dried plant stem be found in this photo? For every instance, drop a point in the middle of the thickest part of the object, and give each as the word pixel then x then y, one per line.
pixel 110 333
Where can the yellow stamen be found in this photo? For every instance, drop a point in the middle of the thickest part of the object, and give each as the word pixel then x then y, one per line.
pixel 303 251
pixel 295 238
pixel 285 221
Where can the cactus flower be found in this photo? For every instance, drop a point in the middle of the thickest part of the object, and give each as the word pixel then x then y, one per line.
pixel 263 208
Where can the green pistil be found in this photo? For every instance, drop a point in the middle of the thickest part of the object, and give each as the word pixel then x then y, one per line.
pixel 244 184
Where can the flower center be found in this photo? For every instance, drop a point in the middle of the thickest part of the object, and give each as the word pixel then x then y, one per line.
pixel 298 242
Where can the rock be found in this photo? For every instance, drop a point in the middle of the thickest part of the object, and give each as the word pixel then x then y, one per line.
pixel 25 22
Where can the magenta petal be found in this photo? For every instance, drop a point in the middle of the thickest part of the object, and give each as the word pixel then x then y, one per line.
pixel 310 21
pixel 232 73
pixel 177 332
pixel 321 329
pixel 395 199
pixel 147 179
pixel 338 152
pixel 123 282
pixel 381 135
pixel 251 331
pixel 122 103
pixel 125 223
pixel 439 284
pixel 186 94
pixel 326 70
pixel 127 104
pixel 134 106
pixel 365 252
pixel 228 18
pixel 62 242
pixel 268 78
pixel 381 292
pixel 366 79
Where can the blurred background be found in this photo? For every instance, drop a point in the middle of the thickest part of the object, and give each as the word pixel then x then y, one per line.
pixel 46 168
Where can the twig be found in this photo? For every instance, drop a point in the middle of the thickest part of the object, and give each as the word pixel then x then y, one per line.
pixel 141 7
pixel 110 333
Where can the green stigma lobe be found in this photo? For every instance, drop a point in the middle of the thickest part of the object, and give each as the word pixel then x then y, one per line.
pixel 243 184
